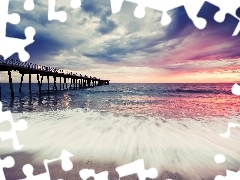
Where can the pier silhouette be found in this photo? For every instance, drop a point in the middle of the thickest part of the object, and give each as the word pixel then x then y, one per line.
pixel 78 81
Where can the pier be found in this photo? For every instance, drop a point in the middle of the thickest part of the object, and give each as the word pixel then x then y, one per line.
pixel 77 81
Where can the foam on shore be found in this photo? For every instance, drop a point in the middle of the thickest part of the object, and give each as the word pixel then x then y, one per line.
pixel 183 146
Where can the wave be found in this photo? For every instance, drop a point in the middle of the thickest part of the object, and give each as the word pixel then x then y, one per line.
pixel 202 91
pixel 183 146
pixel 162 91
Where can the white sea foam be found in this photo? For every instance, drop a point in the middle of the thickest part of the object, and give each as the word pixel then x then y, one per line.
pixel 183 146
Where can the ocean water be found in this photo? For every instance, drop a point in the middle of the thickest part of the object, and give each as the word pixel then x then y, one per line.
pixel 173 127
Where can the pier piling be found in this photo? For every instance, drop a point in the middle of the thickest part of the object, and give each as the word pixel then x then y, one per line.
pixel 30 84
pixel 60 83
pixel 48 83
pixel 39 84
pixel 20 88
pixel 0 87
pixel 10 83
pixel 77 81
pixel 55 84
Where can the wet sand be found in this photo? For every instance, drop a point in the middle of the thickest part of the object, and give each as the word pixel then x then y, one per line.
pixel 56 172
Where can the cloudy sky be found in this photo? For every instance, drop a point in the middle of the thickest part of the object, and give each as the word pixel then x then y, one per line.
pixel 123 48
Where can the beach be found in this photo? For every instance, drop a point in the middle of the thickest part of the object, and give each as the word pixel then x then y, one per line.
pixel 174 127
pixel 171 68
pixel 56 171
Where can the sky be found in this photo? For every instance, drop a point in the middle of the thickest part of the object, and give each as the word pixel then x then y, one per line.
pixel 125 49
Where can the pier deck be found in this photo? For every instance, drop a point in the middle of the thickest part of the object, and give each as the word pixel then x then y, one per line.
pixel 78 81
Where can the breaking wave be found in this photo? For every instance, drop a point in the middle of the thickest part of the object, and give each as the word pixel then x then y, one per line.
pixel 183 146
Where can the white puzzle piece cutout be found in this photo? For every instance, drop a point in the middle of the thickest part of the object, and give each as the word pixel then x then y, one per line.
pixel 60 15
pixel 53 15
pixel 29 5
pixel 230 125
pixel 220 158
pixel 7 162
pixel 75 3
pixel 236 89
pixel 137 167
pixel 230 176
pixel 87 173
pixel 66 166
pixel 20 125
pixel 9 45
pixel 192 8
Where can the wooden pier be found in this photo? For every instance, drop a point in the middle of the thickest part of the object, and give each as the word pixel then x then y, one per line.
pixel 24 68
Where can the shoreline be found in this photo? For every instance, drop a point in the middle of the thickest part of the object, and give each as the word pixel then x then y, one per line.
pixel 189 156
pixel 56 172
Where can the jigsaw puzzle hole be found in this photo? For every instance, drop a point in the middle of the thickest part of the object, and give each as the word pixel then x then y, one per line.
pixel 27 169
pixel 8 162
pixel 238 12
pixel 153 172
pixel 29 5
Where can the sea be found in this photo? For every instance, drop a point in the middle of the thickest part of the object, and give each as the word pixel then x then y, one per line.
pixel 173 127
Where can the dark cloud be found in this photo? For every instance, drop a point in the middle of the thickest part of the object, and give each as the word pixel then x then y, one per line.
pixel 180 23
pixel 106 27
pixel 96 8
pixel 90 6
pixel 38 15
pixel 224 29
pixel 44 46
pixel 14 31
pixel 102 11
pixel 105 13
pixel 181 26
pixel 179 40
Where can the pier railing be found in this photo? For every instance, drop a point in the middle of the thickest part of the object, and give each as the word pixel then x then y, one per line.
pixel 32 66
pixel 77 80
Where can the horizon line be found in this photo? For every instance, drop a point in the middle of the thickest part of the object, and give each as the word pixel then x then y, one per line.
pixel 143 82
